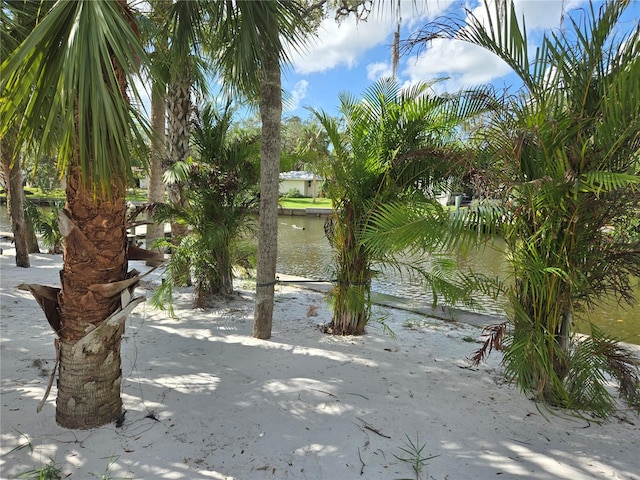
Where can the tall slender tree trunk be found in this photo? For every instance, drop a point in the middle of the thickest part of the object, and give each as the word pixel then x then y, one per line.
pixel 95 258
pixel 12 172
pixel 157 161
pixel 271 115
pixel 156 188
pixel 179 132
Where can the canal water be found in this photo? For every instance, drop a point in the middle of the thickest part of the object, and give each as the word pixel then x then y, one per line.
pixel 303 250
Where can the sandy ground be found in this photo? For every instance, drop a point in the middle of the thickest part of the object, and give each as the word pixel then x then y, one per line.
pixel 204 400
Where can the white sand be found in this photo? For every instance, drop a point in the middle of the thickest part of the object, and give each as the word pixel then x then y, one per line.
pixel 204 400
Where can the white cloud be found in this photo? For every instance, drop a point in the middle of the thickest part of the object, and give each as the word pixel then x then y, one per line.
pixel 378 70
pixel 542 14
pixel 467 65
pixel 538 14
pixel 296 96
pixel 343 44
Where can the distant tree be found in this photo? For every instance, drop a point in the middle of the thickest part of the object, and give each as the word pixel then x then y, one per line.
pixel 18 19
pixel 155 33
pixel 305 144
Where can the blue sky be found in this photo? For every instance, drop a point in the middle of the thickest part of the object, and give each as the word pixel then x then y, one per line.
pixel 350 56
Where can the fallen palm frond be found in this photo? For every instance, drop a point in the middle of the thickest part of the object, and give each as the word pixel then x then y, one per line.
pixel 494 336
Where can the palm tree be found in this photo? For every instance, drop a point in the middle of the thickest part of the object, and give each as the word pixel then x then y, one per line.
pixel 18 19
pixel 220 201
pixel 568 154
pixel 250 41
pixel 186 28
pixel 395 144
pixel 85 51
pixel 154 30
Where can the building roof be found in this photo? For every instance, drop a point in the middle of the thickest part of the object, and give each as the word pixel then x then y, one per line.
pixel 297 175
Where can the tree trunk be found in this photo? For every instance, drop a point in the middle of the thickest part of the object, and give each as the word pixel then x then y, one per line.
pixel 95 247
pixel 351 302
pixel 155 192
pixel 218 281
pixel 226 272
pixel 32 238
pixel 12 172
pixel 179 131
pixel 271 115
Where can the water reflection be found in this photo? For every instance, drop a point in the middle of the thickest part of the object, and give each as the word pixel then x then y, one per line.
pixel 303 250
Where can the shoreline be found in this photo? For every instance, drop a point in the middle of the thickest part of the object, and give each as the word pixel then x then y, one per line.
pixel 206 401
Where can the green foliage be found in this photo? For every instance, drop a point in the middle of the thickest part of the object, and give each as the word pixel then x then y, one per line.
pixel 75 106
pixel 391 147
pixel 305 145
pixel 413 454
pixel 46 224
pixel 293 193
pixel 564 159
pixel 255 30
pixel 49 471
pixel 220 208
pixel 625 228
pixel 593 360
pixel 43 174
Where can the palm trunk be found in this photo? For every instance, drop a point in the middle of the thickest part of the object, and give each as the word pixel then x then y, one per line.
pixel 351 304
pixel 271 116
pixel 179 131
pixel 225 269
pixel 218 282
pixel 155 193
pixel 94 256
pixel 543 314
pixel 156 187
pixel 32 238
pixel 351 296
pixel 12 172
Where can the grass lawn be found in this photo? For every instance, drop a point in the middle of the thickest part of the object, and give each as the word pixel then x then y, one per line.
pixel 133 194
pixel 140 196
pixel 304 203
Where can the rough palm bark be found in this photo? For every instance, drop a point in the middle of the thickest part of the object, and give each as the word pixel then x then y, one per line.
pixel 94 298
pixel 179 110
pixel 351 295
pixel 12 173
pixel 89 47
pixel 156 188
pixel 94 228
pixel 32 238
pixel 271 115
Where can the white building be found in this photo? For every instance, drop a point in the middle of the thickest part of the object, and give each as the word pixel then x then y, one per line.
pixel 306 183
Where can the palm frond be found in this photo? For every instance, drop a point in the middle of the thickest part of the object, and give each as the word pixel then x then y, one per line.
pixel 586 382
pixel 599 182
pixel 246 32
pixel 76 50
